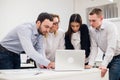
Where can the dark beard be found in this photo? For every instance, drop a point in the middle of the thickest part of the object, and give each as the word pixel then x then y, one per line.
pixel 39 32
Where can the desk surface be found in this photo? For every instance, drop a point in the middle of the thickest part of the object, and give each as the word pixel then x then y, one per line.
pixel 35 74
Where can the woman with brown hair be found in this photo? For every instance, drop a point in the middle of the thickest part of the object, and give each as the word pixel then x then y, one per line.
pixel 77 35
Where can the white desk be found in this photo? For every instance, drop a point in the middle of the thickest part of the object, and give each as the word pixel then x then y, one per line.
pixel 35 74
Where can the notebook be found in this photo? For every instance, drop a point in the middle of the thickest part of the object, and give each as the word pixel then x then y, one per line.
pixel 69 60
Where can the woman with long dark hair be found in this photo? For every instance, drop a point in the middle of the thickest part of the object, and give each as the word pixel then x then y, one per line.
pixel 77 35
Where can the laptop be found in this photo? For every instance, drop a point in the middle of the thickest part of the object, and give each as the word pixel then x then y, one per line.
pixel 69 60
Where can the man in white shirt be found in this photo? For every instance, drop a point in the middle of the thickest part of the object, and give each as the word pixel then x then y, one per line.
pixel 104 35
pixel 54 40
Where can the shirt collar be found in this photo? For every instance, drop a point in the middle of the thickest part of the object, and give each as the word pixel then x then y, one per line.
pixel 101 28
pixel 35 30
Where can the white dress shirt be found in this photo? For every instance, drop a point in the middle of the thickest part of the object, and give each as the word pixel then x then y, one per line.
pixel 54 42
pixel 75 40
pixel 106 39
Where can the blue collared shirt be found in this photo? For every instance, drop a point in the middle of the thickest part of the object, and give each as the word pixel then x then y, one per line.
pixel 26 38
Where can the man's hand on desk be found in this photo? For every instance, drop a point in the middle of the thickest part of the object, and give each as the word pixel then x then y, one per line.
pixel 43 67
pixel 103 70
pixel 51 65
pixel 88 66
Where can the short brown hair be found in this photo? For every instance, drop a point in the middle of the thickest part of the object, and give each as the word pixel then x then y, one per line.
pixel 96 11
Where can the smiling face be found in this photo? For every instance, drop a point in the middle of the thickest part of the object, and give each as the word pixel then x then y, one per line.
pixel 55 25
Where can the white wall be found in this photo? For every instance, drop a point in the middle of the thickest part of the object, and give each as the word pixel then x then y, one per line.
pixel 82 5
pixel 15 12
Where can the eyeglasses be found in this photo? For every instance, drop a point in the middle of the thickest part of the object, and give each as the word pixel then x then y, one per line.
pixel 56 23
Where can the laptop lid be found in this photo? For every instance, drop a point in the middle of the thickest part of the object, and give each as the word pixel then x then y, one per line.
pixel 69 60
